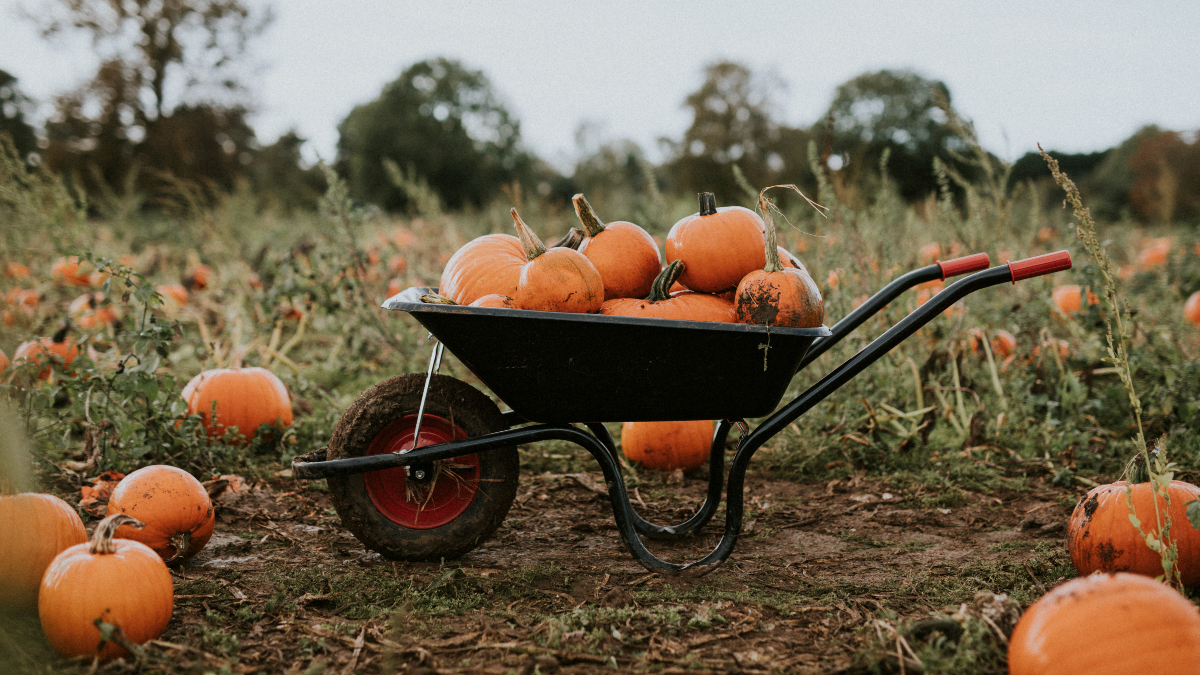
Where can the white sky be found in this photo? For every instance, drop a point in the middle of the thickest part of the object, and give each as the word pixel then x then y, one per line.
pixel 1074 76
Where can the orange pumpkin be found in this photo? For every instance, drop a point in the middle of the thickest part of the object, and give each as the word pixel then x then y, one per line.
pixel 89 311
pixel 245 398
pixel 176 293
pixel 624 254
pixel 1003 344
pixel 45 351
pixel 397 264
pixel 394 286
pixel 495 301
pixel 198 277
pixel 681 305
pixel 14 270
pixel 1101 538
pixel 173 505
pixel 1107 624
pixel 118 581
pixel 4 362
pixel 1191 308
pixel 667 446
pixel 718 246
pixel 778 295
pixel 555 279
pixel 1069 298
pixel 33 529
pixel 1155 254
pixel 789 260
pixel 71 271
pixel 490 264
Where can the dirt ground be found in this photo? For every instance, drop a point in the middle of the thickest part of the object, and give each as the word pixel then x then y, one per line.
pixel 281 587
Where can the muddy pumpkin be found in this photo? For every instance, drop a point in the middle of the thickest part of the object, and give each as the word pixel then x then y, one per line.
pixel 173 506
pixel 778 295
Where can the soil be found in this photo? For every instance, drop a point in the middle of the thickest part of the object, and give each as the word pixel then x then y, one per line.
pixel 282 587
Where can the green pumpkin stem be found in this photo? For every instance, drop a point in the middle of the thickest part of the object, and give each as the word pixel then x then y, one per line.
pixel 529 241
pixel 774 264
pixel 1139 471
pixel 661 288
pixel 591 223
pixel 708 204
pixel 102 539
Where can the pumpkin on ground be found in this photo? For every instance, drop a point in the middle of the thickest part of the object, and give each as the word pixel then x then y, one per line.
pixel 245 398
pixel 1191 308
pixel 71 271
pixel 4 362
pixel 1155 253
pixel 681 305
pixel 199 276
pixel 1069 298
pixel 667 446
pixel 1107 624
pixel 624 254
pixel 45 351
pixel 1101 538
pixel 120 582
pixel 718 246
pixel 176 293
pixel 173 505
pixel 558 279
pixel 777 295
pixel 33 529
pixel 90 311
pixel 490 264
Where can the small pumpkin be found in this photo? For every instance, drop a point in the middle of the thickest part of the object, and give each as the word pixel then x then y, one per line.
pixel 1155 253
pixel 71 271
pixel 119 582
pixel 15 270
pixel 1101 538
pixel 44 351
pixel 667 446
pixel 33 529
pixel 245 398
pixel 495 301
pixel 718 246
pixel 173 505
pixel 681 305
pixel 1107 624
pixel 1191 308
pixel 198 276
pixel 776 295
pixel 4 362
pixel 624 254
pixel 1069 298
pixel 90 311
pixel 176 293
pixel 556 279
pixel 490 264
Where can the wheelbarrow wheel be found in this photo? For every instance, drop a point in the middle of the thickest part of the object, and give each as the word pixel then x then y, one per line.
pixel 438 510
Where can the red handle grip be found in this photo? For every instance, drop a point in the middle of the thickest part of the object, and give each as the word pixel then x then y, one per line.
pixel 1042 264
pixel 970 263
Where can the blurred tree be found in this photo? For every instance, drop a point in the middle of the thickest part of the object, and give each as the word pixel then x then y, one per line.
pixel 280 178
pixel 441 121
pixel 14 105
pixel 890 109
pixel 732 125
pixel 1166 177
pixel 129 115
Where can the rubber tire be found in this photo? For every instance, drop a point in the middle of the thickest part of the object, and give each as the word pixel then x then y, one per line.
pixel 475 414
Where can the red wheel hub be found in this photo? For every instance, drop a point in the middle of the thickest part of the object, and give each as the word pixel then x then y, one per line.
pixel 442 495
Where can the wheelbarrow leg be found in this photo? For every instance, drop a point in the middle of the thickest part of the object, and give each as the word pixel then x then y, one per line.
pixel 716 482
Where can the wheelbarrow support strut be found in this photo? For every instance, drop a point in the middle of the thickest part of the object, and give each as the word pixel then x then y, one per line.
pixel 603 450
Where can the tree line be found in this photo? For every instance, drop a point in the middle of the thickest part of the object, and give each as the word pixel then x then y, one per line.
pixel 441 124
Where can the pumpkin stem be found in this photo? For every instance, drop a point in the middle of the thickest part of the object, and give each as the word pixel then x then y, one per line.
pixel 1139 471
pixel 436 299
pixel 708 203
pixel 102 538
pixel 572 239
pixel 529 241
pixel 661 288
pixel 179 543
pixel 591 223
pixel 774 264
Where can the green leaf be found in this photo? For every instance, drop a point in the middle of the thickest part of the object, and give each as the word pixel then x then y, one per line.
pixel 1193 513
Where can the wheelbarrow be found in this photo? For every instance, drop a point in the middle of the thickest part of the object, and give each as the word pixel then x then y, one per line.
pixel 424 466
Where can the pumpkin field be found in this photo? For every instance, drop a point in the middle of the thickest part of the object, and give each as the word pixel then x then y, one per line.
pixel 167 366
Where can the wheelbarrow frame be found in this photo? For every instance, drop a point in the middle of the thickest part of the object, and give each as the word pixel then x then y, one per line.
pixel 603 448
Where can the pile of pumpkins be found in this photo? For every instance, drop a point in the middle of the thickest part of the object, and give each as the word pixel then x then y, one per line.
pixel 157 516
pixel 724 264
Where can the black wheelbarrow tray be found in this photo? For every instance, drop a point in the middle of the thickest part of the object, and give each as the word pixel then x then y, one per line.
pixel 425 467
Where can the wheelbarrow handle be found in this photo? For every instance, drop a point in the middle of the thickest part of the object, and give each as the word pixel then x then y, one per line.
pixel 1039 265
pixel 938 271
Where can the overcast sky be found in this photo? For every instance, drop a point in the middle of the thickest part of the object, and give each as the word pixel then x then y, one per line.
pixel 1073 76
